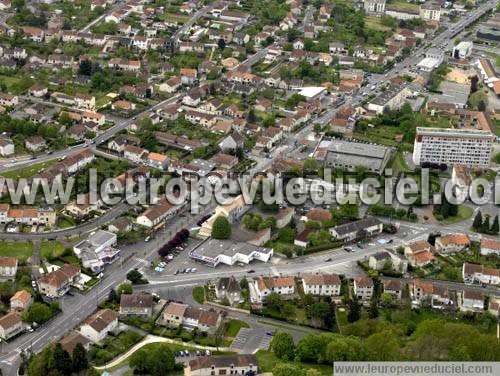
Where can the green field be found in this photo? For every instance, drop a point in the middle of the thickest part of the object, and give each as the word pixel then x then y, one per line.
pixel 234 326
pixel 51 249
pixel 464 212
pixel 199 294
pixel 375 23
pixel 267 361
pixel 22 250
pixel 28 171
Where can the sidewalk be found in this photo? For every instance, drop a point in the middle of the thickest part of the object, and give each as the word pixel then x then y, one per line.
pixel 155 339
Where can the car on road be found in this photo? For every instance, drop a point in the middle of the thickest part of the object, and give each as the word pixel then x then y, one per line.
pixel 328 259
pixel 176 272
pixel 148 238
pixel 251 271
pixel 348 249
pixel 193 270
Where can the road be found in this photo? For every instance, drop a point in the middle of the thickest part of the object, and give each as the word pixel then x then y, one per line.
pixel 79 306
pixel 101 138
pixel 199 13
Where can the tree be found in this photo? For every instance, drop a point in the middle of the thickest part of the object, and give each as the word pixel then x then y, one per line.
pixel 495 228
pixel 62 360
pixel 125 288
pixel 221 43
pixel 382 346
pixel 274 301
pixel 373 311
pixel 221 228
pixel 79 358
pixel 478 221
pixel 485 227
pixel 288 369
pixel 354 308
pixel 320 311
pixel 85 68
pixel 139 361
pixel 38 312
pixel 283 346
pixel 135 277
pixel 160 361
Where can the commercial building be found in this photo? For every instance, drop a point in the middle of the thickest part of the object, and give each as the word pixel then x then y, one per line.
pixel 469 147
pixel 462 50
pixel 214 252
pixel 393 98
pixel 348 155
pixel 97 250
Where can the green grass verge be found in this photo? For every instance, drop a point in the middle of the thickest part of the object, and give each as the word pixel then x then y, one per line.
pixel 51 249
pixel 28 171
pixel 199 294
pixel 21 250
pixel 283 326
pixel 234 326
pixel 464 212
pixel 267 362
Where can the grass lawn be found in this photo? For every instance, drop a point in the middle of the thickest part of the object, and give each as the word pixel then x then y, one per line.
pixel 22 250
pixel 29 171
pixel 234 326
pixel 267 361
pixel 199 294
pixel 375 23
pixel 284 326
pixel 464 212
pixel 51 249
pixel 403 5
pixel 65 222
pixel 381 134
pixel 9 81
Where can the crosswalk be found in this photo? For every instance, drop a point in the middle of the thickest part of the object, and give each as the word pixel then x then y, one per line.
pixel 241 339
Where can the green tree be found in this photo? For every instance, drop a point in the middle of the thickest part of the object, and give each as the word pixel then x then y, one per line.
pixel 274 301
pixel 38 312
pixel 478 221
pixel 135 276
pixel 354 310
pixel 221 228
pixel 79 358
pixel 288 369
pixel 485 228
pixel 62 360
pixel 373 311
pixel 125 288
pixel 382 346
pixel 139 361
pixel 283 346
pixel 160 361
pixel 495 228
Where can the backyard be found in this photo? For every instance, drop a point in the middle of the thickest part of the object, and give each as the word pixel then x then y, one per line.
pixel 22 250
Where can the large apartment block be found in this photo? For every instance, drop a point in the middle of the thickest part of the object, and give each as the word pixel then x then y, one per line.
pixel 469 147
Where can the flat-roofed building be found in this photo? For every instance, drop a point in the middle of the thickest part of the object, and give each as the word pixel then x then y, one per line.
pixel 214 252
pixel 469 147
pixel 349 155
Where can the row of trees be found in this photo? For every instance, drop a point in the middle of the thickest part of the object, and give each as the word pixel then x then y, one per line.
pixel 179 238
pixel 483 225
pixel 54 360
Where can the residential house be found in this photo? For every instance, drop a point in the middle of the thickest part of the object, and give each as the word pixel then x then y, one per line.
pixel 321 284
pixel 10 325
pixel 452 243
pixel 157 213
pixel 490 246
pixel 359 229
pixel 473 273
pixel 8 265
pixel 69 342
pixel 232 142
pixel 419 253
pixel 97 326
pixel 264 286
pixel 302 239
pixel 173 314
pixel 363 288
pixel 6 146
pixel 156 160
pixel 138 304
pixel 394 287
pixel 188 76
pixel 284 216
pixel 379 260
pixel 35 143
pixel 241 364
pixel 122 224
pixel 228 288
pixel 57 283
pixel 134 153
pixel 224 161
pixel 21 301
pixel 472 300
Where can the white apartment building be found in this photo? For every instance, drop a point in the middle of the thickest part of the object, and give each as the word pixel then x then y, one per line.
pixel 469 147
pixel 321 284
pixel 374 6
pixel 430 12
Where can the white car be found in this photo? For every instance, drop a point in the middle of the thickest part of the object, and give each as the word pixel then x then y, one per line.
pixel 193 270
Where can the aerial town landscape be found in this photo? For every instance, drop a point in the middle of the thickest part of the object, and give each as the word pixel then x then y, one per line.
pixel 120 122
